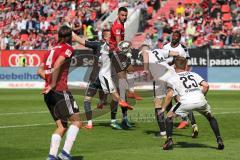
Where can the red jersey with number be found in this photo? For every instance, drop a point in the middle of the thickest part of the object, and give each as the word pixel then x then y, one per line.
pixel 50 58
pixel 117 29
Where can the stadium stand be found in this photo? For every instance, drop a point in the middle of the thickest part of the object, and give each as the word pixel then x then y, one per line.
pixel 201 22
pixel 33 24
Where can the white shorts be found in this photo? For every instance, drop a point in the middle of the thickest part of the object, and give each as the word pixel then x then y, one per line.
pixel 201 107
pixel 164 78
pixel 160 89
pixel 107 84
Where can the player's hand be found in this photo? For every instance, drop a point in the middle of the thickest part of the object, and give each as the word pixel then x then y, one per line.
pixel 47 89
pixel 74 36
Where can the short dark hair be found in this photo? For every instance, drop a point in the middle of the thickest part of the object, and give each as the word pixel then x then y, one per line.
pixel 65 34
pixel 180 62
pixel 122 9
pixel 177 32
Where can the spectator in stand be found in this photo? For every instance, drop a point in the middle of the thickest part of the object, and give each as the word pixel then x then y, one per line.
pixel 180 10
pixel 236 38
pixel 215 10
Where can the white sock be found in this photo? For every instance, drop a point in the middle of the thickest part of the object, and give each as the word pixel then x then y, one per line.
pixel 113 120
pixel 89 122
pixel 130 79
pixel 55 143
pixel 122 88
pixel 70 138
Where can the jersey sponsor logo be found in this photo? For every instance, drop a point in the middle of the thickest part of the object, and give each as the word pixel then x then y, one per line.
pixel 28 60
pixel 118 31
pixel 68 53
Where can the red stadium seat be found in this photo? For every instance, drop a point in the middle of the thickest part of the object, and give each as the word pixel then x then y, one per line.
pixel 214 1
pixel 225 8
pixel 228 25
pixel 24 37
pixel 227 17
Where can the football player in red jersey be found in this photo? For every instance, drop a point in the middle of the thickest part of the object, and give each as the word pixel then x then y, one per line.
pixel 121 62
pixel 54 70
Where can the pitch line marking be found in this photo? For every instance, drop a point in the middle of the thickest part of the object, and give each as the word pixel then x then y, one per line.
pixel 103 120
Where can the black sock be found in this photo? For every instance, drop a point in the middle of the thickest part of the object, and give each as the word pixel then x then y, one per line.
pixel 124 113
pixel 160 119
pixel 169 126
pixel 114 107
pixel 87 109
pixel 214 126
pixel 192 118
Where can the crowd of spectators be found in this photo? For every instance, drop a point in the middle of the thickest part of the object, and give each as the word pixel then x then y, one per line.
pixel 33 24
pixel 214 24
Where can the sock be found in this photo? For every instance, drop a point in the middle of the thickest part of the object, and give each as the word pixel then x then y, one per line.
pixel 87 109
pixel 192 118
pixel 114 107
pixel 160 119
pixel 113 120
pixel 169 126
pixel 122 88
pixel 90 122
pixel 102 97
pixel 70 138
pixel 214 126
pixel 55 143
pixel 124 113
pixel 130 80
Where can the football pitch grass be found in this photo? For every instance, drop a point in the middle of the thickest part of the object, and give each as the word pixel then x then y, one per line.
pixel 26 128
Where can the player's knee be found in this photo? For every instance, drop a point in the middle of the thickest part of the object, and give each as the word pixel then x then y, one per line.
pixel 62 129
pixel 169 119
pixel 78 124
pixel 209 116
pixel 87 98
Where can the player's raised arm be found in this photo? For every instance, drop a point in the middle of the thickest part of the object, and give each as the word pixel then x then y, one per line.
pixel 41 72
pixel 78 39
pixel 145 60
pixel 174 53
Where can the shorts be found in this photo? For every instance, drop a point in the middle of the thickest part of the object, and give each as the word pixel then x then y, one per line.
pixel 61 105
pixel 93 87
pixel 102 83
pixel 120 62
pixel 184 109
pixel 159 89
pixel 107 84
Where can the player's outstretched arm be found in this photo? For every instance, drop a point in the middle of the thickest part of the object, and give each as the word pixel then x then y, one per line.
pixel 205 87
pixel 41 72
pixel 174 53
pixel 145 60
pixel 78 39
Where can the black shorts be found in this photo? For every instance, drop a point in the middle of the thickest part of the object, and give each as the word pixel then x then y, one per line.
pixel 61 105
pixel 120 62
pixel 93 87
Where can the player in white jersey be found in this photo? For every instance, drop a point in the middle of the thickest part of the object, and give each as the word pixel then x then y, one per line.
pixel 191 93
pixel 102 80
pixel 155 62
pixel 175 45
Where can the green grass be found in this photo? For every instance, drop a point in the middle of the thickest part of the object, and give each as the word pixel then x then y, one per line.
pixel 20 109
